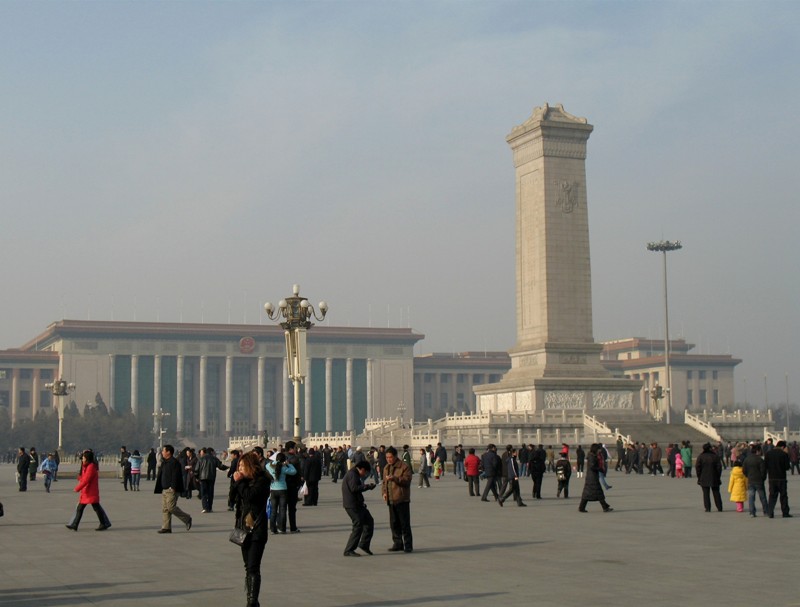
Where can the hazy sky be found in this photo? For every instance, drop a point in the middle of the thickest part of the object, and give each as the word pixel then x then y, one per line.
pixel 192 160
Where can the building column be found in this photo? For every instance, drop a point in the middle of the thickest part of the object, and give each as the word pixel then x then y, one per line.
pixel 112 381
pixel 14 397
pixel 370 406
pixel 349 393
pixel 179 396
pixel 288 414
pixel 307 407
pixel 36 396
pixel 156 391
pixel 328 395
pixel 203 400
pixel 135 384
pixel 260 395
pixel 228 394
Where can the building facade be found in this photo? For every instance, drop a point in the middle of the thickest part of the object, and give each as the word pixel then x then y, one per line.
pixel 443 382
pixel 214 380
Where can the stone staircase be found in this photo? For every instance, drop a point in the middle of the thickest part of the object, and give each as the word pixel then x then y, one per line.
pixel 641 427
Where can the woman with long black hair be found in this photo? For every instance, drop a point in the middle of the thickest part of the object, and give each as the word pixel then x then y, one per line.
pixel 592 491
pixel 279 469
pixel 89 488
pixel 249 493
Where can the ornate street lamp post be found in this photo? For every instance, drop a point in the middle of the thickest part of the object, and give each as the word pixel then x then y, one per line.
pixel 60 388
pixel 159 417
pixel 662 247
pixel 657 393
pixel 296 313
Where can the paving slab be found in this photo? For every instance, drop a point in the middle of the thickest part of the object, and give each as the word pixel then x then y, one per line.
pixel 658 547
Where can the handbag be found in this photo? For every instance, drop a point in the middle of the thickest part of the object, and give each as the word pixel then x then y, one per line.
pixel 239 536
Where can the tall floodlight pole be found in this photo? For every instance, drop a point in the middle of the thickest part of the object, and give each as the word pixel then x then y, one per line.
pixel 787 410
pixel 59 389
pixel 662 247
pixel 296 313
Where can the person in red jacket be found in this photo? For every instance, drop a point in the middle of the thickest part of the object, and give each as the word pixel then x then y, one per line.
pixel 89 489
pixel 472 469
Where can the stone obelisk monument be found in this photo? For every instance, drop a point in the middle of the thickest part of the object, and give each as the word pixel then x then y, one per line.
pixel 555 362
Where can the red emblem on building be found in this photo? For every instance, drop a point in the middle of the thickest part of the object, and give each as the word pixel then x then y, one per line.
pixel 247 345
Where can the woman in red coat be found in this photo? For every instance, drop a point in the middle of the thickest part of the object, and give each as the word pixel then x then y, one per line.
pixel 89 489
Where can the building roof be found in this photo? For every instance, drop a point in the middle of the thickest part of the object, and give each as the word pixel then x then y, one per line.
pixel 80 329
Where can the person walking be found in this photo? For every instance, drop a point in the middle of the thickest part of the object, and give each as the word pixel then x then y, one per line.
pixel 708 469
pixel 207 466
pixel 293 484
pixel 396 489
pixel 353 488
pixel 152 461
pixel 777 462
pixel 472 468
pixel 49 468
pixel 490 463
pixel 136 469
pixel 249 493
pixel 513 480
pixel 89 489
pixel 169 483
pixel 563 474
pixel 279 470
pixel 34 462
pixel 737 486
pixel 23 466
pixel 756 472
pixel 423 469
pixel 592 491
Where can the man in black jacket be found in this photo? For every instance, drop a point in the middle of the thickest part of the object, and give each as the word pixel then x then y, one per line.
pixel 353 488
pixel 23 467
pixel 312 473
pixel 207 466
pixel 169 483
pixel 491 464
pixel 756 472
pixel 777 463
pixel 709 476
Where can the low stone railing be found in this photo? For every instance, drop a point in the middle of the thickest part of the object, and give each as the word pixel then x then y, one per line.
pixel 694 421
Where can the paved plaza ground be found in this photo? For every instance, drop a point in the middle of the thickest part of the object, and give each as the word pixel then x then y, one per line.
pixel 658 547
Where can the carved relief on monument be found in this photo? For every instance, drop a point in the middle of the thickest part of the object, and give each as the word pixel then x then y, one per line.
pixel 524 401
pixel 567 195
pixel 528 360
pixel 612 400
pixel 563 399
pixel 572 359
pixel 505 401
pixel 565 148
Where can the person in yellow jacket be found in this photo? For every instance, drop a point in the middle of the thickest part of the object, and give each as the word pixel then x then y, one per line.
pixel 737 486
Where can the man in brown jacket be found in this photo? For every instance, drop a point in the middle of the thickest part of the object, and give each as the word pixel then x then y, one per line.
pixel 397 495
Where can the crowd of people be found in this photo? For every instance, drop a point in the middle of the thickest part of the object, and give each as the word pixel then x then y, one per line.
pixel 266 485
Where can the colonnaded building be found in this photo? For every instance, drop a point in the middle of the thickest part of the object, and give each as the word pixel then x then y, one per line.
pixel 221 380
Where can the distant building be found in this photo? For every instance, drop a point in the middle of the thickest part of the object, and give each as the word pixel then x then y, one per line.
pixel 214 380
pixel 443 382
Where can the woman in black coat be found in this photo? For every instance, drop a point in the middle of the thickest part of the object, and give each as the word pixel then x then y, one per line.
pixel 249 493
pixel 592 491
pixel 708 470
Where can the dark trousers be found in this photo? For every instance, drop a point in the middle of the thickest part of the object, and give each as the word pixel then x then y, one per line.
pixel 513 489
pixel 474 483
pixel 537 485
pixel 778 489
pixel 23 480
pixel 291 506
pixel 491 485
pixel 98 510
pixel 151 472
pixel 582 505
pixel 400 524
pixel 312 497
pixel 707 498
pixel 252 551
pixel 207 494
pixel 563 486
pixel 277 520
pixel 363 527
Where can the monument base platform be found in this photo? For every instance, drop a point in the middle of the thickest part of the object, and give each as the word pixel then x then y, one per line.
pixel 550 393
